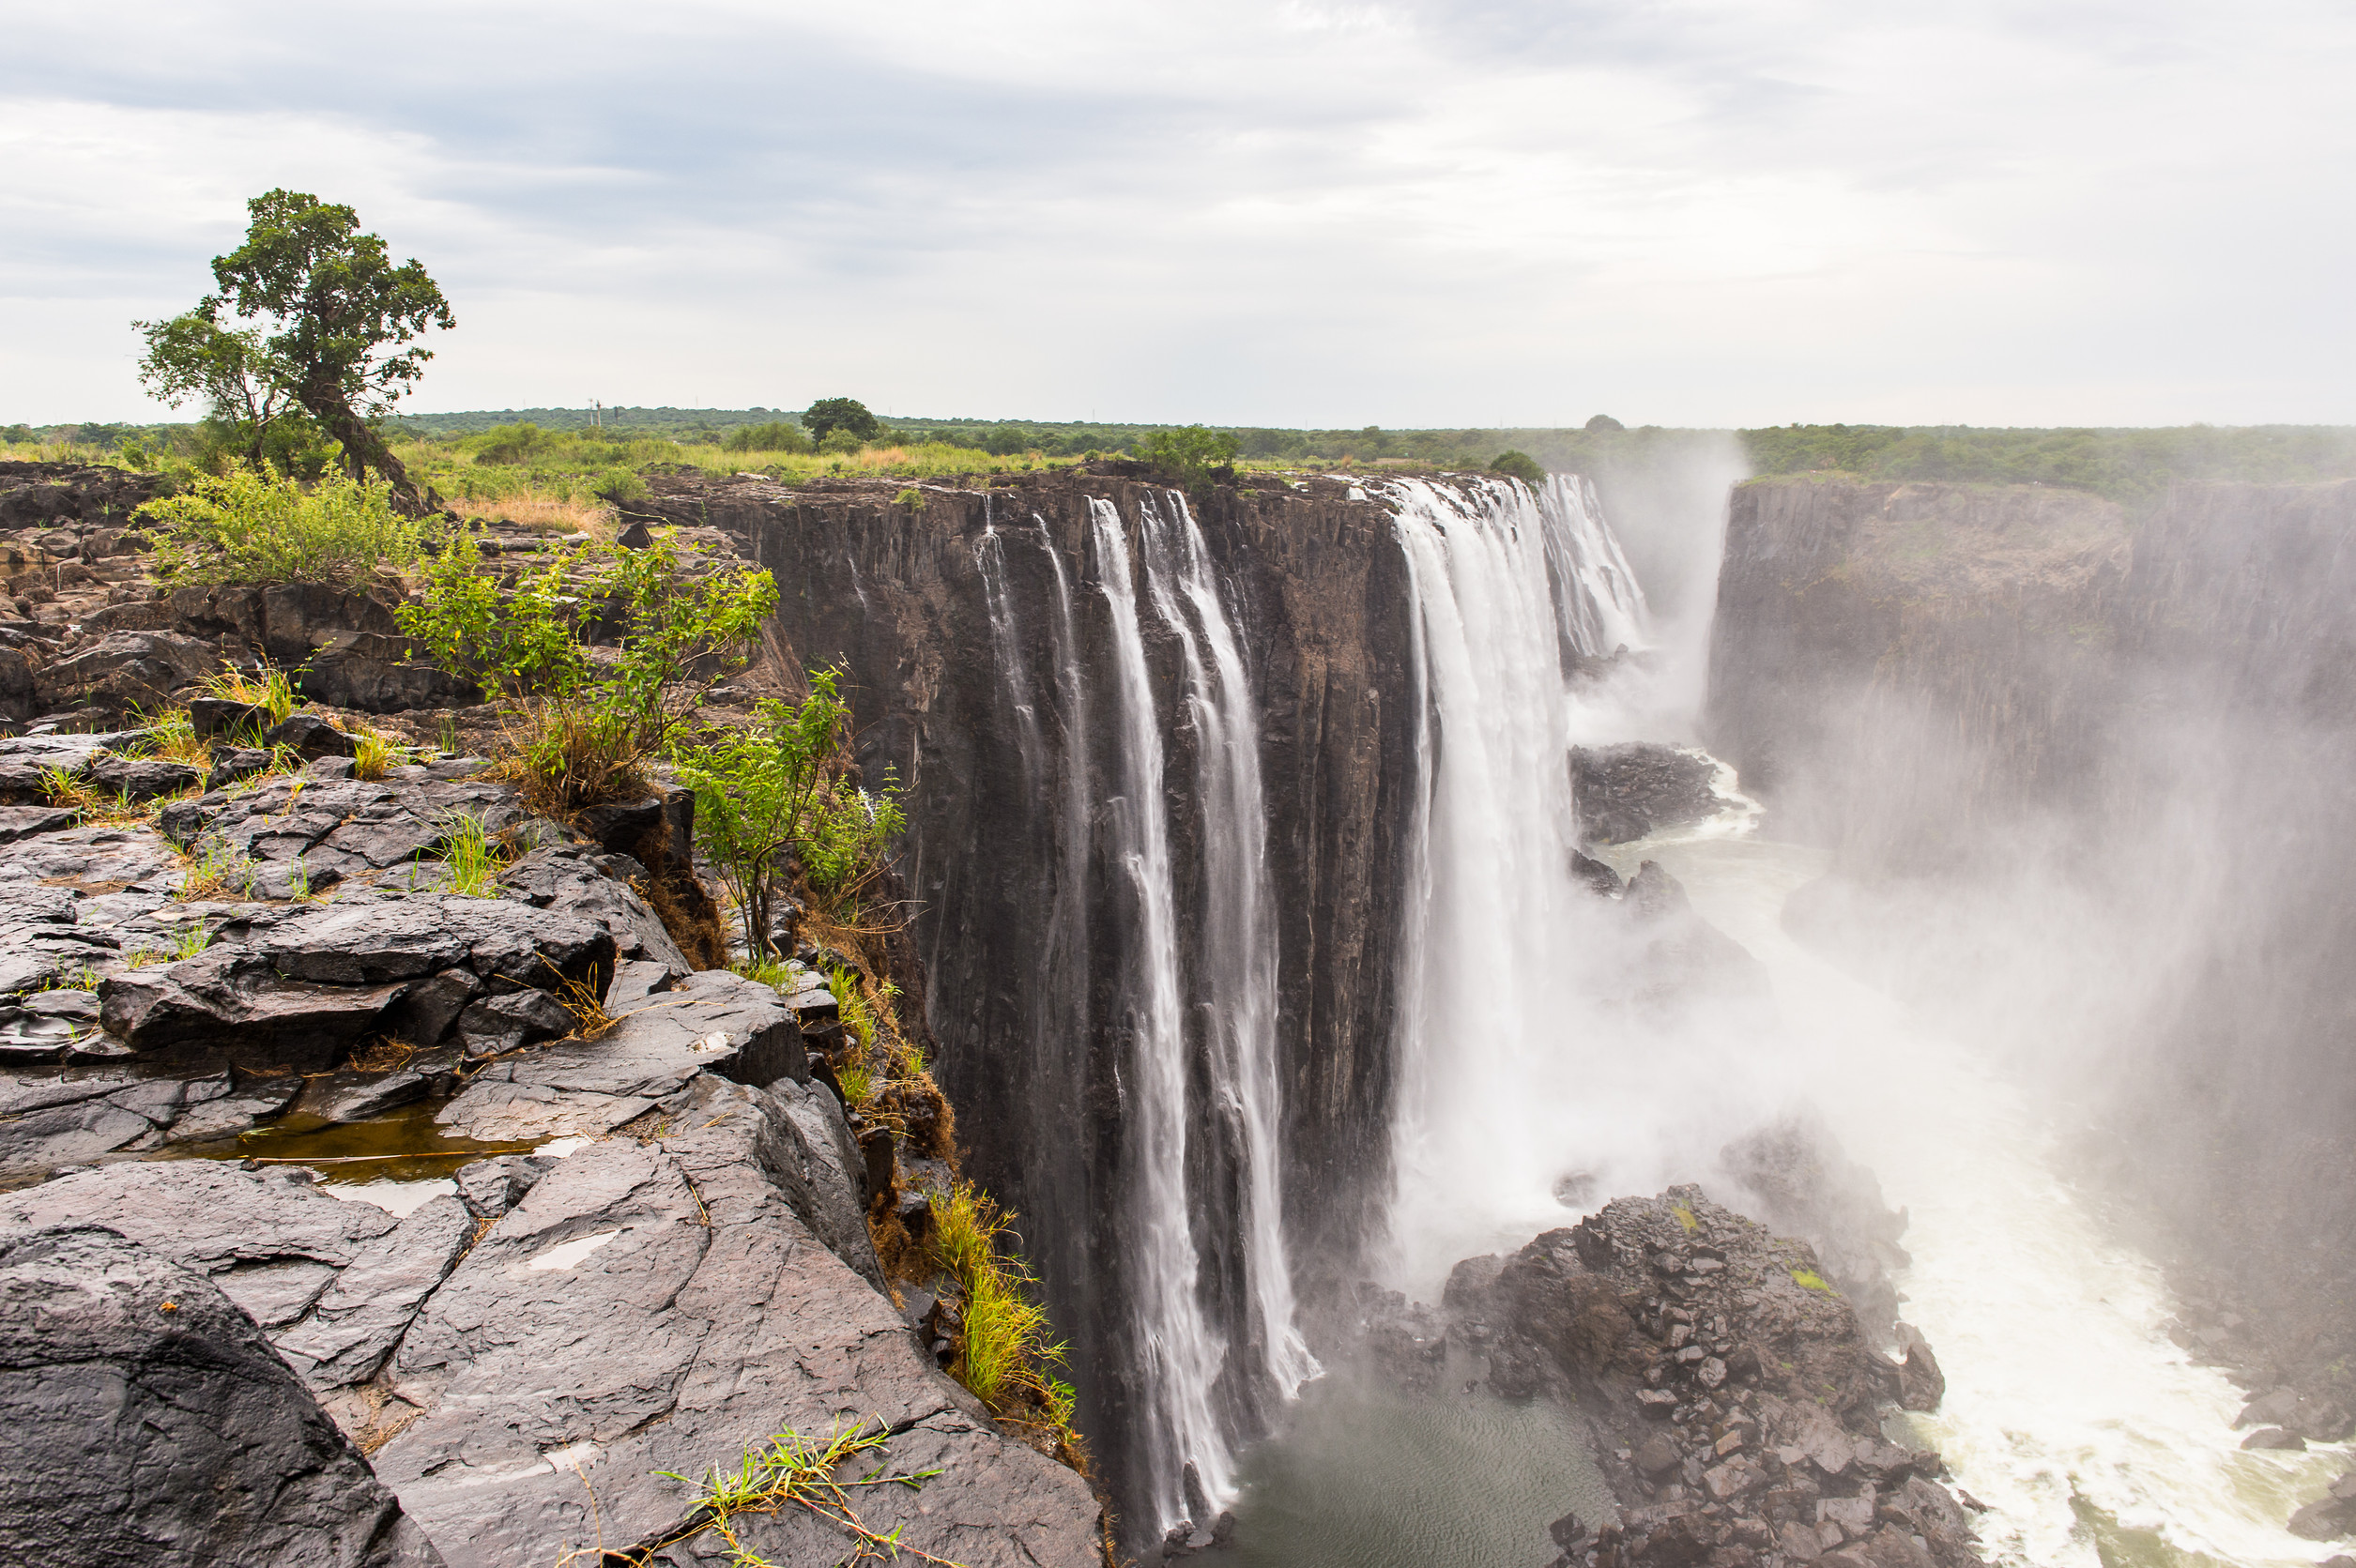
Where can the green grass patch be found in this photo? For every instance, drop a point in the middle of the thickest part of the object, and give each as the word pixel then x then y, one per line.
pixel 1808 1279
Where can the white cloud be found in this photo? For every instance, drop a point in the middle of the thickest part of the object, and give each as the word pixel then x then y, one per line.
pixel 1307 213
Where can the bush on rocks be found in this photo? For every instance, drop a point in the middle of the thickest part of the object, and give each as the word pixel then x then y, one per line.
pixel 581 729
pixel 257 528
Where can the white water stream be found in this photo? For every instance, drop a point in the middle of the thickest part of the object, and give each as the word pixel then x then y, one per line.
pixel 1525 1073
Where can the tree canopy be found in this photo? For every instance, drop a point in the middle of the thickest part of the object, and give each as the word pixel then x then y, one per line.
pixel 829 415
pixel 332 325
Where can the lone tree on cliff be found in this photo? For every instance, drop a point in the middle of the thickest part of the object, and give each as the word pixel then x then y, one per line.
pixel 829 415
pixel 328 314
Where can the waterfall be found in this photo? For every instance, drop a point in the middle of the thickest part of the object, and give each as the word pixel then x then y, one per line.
pixel 1183 1352
pixel 1504 583
pixel 1238 949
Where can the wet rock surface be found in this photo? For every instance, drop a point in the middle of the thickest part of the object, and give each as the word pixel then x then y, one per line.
pixel 277 958
pixel 144 1419
pixel 1630 790
pixel 1734 1400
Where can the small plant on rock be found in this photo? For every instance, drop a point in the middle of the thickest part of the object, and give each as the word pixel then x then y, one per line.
pixel 581 729
pixel 1004 1353
pixel 777 787
pixel 216 870
pixel 267 687
pixel 376 754
pixel 474 858
pixel 797 1472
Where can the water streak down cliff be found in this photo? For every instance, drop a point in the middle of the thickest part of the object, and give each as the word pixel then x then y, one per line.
pixel 1172 776
pixel 1164 1008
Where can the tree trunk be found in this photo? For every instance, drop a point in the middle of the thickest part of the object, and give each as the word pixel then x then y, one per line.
pixel 363 448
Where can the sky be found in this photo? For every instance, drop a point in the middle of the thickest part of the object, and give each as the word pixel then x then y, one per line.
pixel 1417 213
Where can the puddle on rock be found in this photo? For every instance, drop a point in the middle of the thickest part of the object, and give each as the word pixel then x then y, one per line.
pixel 400 1147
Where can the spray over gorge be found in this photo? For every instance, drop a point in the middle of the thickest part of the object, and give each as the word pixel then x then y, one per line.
pixel 1374 1043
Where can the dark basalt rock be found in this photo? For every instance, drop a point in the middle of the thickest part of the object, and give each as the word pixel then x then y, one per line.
pixel 715 1022
pixel 1627 791
pixel 662 1306
pixel 1798 1182
pixel 144 1419
pixel 307 735
pixel 1735 1398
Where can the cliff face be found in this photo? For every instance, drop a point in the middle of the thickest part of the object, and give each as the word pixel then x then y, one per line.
pixel 2129 743
pixel 1900 666
pixel 975 629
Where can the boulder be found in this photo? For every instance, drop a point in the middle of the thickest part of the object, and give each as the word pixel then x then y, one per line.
pixel 307 734
pixel 231 1004
pixel 124 672
pixel 602 887
pixel 210 716
pixel 144 1419
pixel 1627 791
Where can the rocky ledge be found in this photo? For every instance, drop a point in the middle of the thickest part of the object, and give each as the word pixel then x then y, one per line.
pixel 647 1254
pixel 1735 1404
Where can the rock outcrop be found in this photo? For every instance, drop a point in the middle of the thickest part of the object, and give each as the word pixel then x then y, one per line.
pixel 144 1419
pixel 1734 1399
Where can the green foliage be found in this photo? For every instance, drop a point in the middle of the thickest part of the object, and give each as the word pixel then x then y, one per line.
pixel 840 442
pixel 1004 1353
pixel 1519 465
pixel 773 788
pixel 1808 1279
pixel 797 1472
pixel 473 858
pixel 581 732
pixel 334 320
pixel 217 871
pixel 2131 467
pixel 246 385
pixel 513 443
pixel 911 498
pixel 829 415
pixel 268 687
pixel 1191 457
pixel 773 435
pixel 253 528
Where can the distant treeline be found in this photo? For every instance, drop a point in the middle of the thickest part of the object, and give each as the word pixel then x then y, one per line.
pixel 2128 464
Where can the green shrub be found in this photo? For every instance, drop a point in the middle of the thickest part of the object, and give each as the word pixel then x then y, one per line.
pixel 778 435
pixel 258 529
pixel 830 415
pixel 774 787
pixel 516 443
pixel 580 731
pixel 1519 465
pixel 1190 457
pixel 840 442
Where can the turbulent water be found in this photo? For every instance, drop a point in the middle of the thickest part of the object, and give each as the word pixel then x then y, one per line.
pixel 1532 1091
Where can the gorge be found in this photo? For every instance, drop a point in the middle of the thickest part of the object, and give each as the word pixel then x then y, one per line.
pixel 1453 1117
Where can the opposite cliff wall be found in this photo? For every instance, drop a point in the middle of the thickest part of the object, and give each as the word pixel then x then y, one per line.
pixel 2107 756
pixel 972 631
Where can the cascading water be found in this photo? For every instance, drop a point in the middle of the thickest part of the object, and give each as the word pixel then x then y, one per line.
pixel 1186 929
pixel 1182 1351
pixel 2094 1439
pixel 1238 952
pixel 1522 1077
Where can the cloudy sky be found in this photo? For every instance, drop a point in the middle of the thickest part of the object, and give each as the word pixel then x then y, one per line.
pixel 1281 213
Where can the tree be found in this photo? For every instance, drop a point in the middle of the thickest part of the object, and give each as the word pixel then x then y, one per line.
pixel 1521 465
pixel 829 415
pixel 193 354
pixel 332 315
pixel 1191 457
pixel 774 787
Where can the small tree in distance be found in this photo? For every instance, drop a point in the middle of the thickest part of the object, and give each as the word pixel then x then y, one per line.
pixel 829 415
